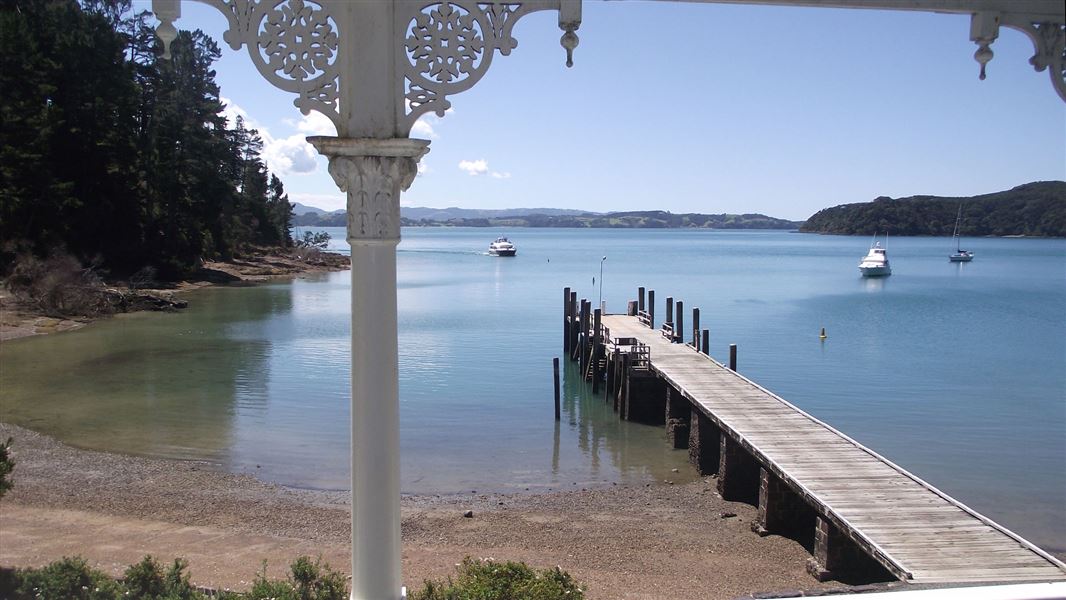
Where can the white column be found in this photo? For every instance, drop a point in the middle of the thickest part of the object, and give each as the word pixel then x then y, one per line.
pixel 373 173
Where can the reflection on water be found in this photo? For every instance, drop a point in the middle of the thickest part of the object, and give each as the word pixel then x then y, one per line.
pixel 953 370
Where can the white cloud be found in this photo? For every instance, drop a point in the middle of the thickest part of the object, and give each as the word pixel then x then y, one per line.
pixel 316 123
pixel 231 111
pixel 423 168
pixel 289 156
pixel 423 129
pixel 498 175
pixel 474 167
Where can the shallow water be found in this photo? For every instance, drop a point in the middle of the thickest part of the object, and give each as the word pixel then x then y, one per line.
pixel 955 371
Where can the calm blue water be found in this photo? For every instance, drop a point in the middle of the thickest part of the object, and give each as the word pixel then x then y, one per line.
pixel 955 371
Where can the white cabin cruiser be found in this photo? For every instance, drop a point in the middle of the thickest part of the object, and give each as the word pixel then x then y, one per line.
pixel 502 247
pixel 875 263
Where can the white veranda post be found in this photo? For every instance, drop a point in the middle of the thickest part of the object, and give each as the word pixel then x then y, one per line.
pixel 374 67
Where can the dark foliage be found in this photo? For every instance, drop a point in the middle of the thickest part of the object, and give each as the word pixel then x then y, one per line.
pixel 6 466
pixel 108 151
pixel 1034 209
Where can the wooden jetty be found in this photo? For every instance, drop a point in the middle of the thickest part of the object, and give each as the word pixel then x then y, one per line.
pixel 862 516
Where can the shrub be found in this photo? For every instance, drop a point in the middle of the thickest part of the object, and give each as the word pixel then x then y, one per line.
pixel 6 466
pixel 147 580
pixel 69 578
pixel 309 581
pixel 58 285
pixel 490 580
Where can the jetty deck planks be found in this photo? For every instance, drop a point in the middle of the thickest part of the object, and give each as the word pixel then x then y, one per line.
pixel 918 529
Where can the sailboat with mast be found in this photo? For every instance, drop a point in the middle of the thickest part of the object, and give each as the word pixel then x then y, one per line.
pixel 959 255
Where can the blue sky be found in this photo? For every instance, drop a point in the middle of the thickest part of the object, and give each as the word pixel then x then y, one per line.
pixel 707 108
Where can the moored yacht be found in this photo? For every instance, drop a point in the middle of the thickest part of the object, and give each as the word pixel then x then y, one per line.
pixel 875 263
pixel 959 255
pixel 502 247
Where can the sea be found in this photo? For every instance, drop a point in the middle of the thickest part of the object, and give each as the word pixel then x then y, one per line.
pixel 956 371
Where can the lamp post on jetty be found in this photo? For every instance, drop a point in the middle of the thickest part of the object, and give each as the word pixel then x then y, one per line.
pixel 373 68
pixel 600 303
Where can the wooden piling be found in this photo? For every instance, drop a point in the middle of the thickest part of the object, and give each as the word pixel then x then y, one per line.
pixel 555 368
pixel 631 308
pixel 640 298
pixel 679 327
pixel 733 357
pixel 706 339
pixel 597 346
pixel 566 320
pixel 696 328
pixel 573 323
pixel 651 309
pixel 669 311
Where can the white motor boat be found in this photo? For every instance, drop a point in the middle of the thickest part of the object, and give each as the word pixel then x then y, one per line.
pixel 502 247
pixel 875 263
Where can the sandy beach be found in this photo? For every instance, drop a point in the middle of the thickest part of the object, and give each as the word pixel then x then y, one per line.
pixel 652 541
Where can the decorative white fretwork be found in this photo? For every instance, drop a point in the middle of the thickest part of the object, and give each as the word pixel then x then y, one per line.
pixel 1048 38
pixel 292 43
pixel 449 46
pixel 443 47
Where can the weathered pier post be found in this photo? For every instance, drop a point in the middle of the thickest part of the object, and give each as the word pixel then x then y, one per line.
pixel 597 350
pixel 573 323
pixel 640 299
pixel 696 328
pixel 733 357
pixel 706 339
pixel 631 308
pixel 651 309
pixel 566 320
pixel 555 368
pixel 669 312
pixel 679 327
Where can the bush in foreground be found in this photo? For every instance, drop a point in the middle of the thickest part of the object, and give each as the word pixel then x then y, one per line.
pixel 490 580
pixel 73 579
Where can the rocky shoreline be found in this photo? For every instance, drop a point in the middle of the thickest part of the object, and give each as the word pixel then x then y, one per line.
pixel 18 319
pixel 652 541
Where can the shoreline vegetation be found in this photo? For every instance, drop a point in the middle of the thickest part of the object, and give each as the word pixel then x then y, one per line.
pixel 23 315
pixel 639 541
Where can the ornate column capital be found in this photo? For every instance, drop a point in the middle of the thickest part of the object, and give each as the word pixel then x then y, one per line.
pixel 372 172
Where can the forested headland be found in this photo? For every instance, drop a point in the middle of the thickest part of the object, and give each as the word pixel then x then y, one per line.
pixel 117 158
pixel 1035 209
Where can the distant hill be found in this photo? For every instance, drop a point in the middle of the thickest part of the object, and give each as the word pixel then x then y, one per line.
pixel 443 214
pixel 624 220
pixel 1035 209
pixel 557 217
pixel 302 209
